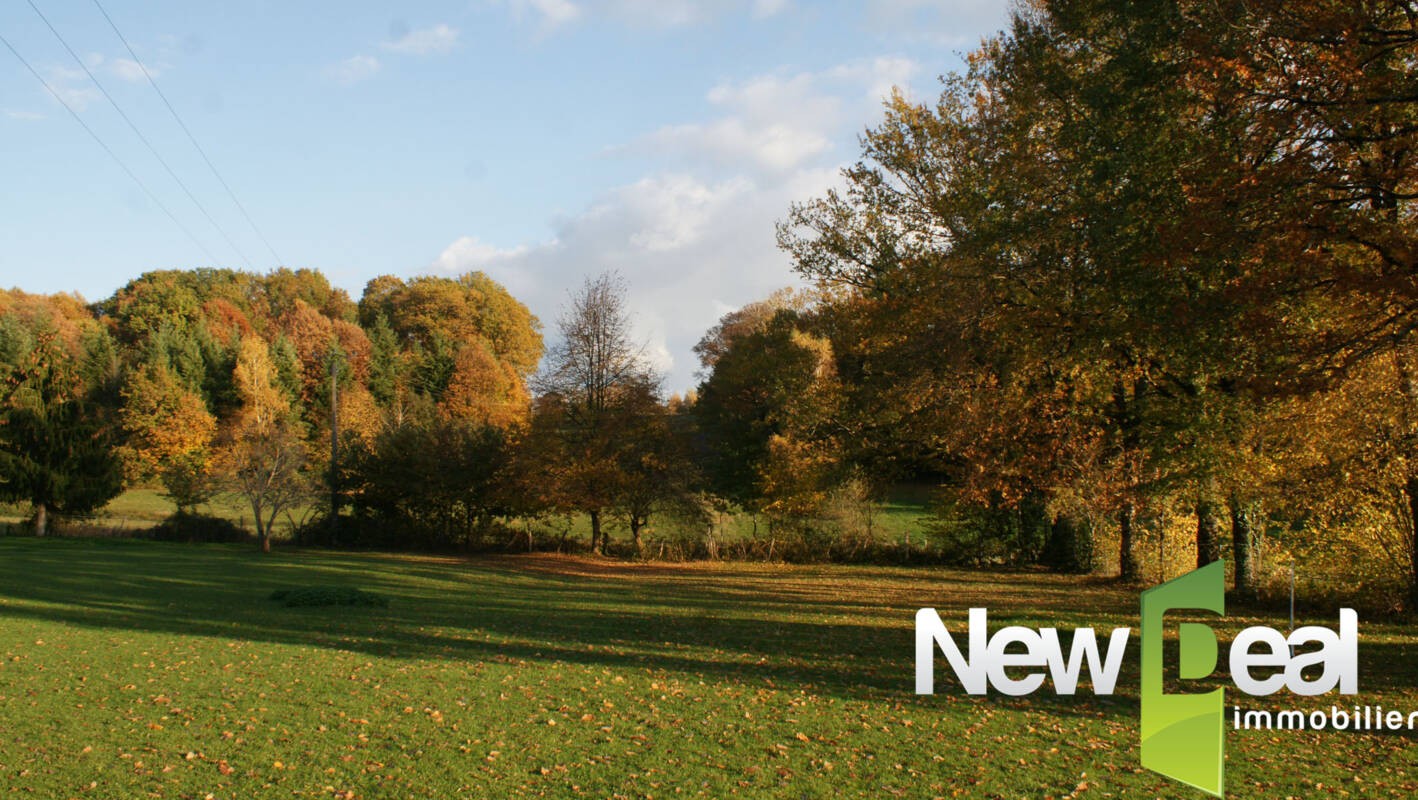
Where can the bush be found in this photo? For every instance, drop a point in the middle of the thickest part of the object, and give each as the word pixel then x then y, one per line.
pixel 199 528
pixel 989 534
pixel 361 532
pixel 1069 546
pixel 314 596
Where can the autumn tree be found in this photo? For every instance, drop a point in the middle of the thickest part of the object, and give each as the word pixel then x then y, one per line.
pixel 170 299
pixel 265 455
pixel 1325 91
pixel 316 339
pixel 751 318
pixel 439 483
pixel 66 316
pixel 594 378
pixel 655 474
pixel 1117 248
pixel 464 344
pixel 169 434
pixel 484 391
pixel 460 310
pixel 1015 262
pixel 282 290
pixel 767 412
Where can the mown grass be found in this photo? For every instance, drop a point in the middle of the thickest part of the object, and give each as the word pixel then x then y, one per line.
pixel 139 509
pixel 138 669
pixel 898 518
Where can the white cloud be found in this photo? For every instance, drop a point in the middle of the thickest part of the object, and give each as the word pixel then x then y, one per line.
pixel 678 13
pixel 779 123
pixel 23 115
pixel 353 69
pixel 434 40
pixel 72 86
pixel 125 69
pixel 953 23
pixel 471 253
pixel 551 13
pixel 688 248
pixel 674 211
pixel 878 76
pixel 77 90
pixel 662 13
pixel 762 9
pixel 654 14
pixel 730 141
pixel 695 237
pixel 130 70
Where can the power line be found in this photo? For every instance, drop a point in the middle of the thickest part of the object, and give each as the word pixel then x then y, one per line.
pixel 139 134
pixel 190 137
pixel 109 150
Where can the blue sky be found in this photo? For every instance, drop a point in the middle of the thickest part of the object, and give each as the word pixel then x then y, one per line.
pixel 542 141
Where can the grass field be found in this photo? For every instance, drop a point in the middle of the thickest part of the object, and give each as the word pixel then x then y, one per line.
pixel 900 516
pixel 139 509
pixel 133 669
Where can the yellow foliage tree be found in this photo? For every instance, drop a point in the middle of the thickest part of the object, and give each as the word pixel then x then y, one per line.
pixel 485 391
pixel 169 434
pixel 265 454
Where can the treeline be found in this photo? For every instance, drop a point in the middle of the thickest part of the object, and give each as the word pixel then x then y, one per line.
pixel 1142 284
pixel 1138 290
pixel 210 380
pixel 416 417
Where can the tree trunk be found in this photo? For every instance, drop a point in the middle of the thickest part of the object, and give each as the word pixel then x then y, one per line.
pixel 711 545
pixel 597 545
pixel 1411 489
pixel 334 451
pixel 635 524
pixel 41 519
pixel 1208 533
pixel 263 536
pixel 1127 562
pixel 1058 548
pixel 1410 485
pixel 1243 547
pixel 1067 549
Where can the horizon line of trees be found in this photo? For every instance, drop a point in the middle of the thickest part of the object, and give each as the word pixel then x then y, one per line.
pixel 1142 278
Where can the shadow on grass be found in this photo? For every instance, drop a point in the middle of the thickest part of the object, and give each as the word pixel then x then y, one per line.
pixel 845 632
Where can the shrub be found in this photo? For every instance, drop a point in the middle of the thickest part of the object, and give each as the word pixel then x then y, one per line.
pixel 199 528
pixel 313 596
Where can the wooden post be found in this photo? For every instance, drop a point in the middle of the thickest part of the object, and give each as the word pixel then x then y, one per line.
pixel 334 448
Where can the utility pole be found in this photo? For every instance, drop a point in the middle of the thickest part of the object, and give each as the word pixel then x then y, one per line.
pixel 334 448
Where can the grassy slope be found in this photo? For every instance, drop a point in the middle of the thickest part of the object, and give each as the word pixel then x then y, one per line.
pixel 132 669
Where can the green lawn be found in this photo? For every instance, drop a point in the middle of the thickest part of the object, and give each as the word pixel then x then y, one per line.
pixel 136 669
pixel 900 516
pixel 140 509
